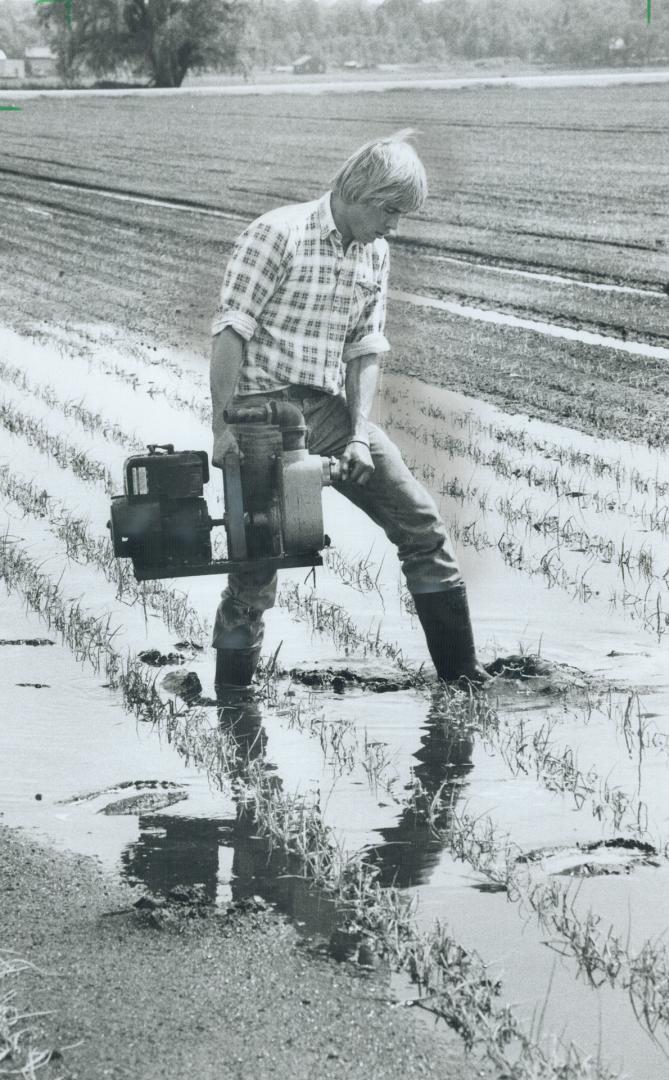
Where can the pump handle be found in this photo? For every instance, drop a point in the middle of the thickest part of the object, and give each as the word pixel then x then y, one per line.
pixel 153 448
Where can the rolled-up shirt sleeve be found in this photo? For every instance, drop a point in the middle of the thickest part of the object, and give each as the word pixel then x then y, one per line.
pixel 255 269
pixel 368 337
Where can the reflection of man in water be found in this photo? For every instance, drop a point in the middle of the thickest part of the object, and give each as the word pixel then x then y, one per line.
pixel 181 851
pixel 302 317
pixel 411 849
pixel 175 852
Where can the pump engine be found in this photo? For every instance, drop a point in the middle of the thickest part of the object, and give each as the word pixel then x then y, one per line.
pixel 272 491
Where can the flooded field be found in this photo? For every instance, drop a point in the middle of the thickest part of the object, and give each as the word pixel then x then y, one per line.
pixel 531 821
pixel 501 858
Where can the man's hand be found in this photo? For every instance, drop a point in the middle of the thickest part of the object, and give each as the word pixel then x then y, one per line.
pixel 362 375
pixel 356 463
pixel 224 443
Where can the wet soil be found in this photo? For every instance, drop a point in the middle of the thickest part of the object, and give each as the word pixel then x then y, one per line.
pixel 198 993
pixel 618 855
pixel 365 676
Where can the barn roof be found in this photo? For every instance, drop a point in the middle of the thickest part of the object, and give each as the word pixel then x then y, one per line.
pixel 39 52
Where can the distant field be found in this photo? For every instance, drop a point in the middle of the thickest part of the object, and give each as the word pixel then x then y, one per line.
pixel 572 183
pixel 508 170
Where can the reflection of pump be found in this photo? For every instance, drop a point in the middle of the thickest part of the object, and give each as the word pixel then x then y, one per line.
pixel 273 511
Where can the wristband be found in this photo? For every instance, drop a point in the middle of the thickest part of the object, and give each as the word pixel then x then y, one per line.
pixel 362 441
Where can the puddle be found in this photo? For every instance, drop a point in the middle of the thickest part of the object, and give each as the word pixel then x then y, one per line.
pixel 571 752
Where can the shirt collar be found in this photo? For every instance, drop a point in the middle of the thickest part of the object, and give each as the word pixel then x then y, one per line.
pixel 325 218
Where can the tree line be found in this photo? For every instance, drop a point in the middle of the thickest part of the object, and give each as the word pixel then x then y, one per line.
pixel 411 31
pixel 160 41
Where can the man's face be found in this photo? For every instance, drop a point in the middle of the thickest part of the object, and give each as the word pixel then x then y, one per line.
pixel 368 221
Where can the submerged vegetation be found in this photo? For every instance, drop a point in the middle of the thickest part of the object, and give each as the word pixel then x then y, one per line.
pixel 589 524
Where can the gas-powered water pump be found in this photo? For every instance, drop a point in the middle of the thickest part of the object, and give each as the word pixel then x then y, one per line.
pixel 272 490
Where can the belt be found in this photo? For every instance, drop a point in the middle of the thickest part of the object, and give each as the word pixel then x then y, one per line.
pixel 300 392
pixel 295 392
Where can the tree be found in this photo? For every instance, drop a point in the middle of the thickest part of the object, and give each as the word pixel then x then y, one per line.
pixel 161 39
pixel 18 27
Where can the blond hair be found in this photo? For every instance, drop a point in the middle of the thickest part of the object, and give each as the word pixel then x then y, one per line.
pixel 384 171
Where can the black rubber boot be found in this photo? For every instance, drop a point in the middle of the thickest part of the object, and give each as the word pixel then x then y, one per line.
pixel 447 625
pixel 235 667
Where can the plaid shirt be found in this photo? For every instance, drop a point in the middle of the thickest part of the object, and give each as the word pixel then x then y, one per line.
pixel 302 304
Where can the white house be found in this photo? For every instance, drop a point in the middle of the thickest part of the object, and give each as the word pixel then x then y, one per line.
pixel 40 61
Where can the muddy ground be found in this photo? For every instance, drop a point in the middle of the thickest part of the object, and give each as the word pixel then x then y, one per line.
pixel 208 995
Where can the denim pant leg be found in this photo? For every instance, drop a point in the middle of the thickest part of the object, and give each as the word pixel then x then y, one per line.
pixel 393 498
pixel 239 617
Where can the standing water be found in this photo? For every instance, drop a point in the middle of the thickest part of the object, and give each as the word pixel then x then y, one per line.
pixel 543 846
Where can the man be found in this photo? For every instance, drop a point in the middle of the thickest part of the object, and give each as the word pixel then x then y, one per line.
pixel 302 317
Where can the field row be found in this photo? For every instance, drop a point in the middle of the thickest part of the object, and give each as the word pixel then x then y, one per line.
pixel 503 164
pixel 110 266
pixel 89 634
pixel 32 410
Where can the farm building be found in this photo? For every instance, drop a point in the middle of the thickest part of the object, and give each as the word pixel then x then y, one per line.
pixel 308 65
pixel 11 69
pixel 40 61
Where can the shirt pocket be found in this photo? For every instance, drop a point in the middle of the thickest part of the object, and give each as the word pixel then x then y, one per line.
pixel 365 294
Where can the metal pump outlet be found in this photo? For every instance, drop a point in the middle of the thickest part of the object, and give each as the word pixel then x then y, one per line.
pixel 273 506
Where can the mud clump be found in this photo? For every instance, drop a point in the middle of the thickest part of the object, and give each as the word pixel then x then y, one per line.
pixel 184 684
pixel 34 642
pixel 625 853
pixel 190 648
pixel 183 903
pixel 348 944
pixel 138 785
pixel 521 666
pixel 534 672
pixel 341 679
pixel 154 658
pixel 187 686
pixel 178 905
pixel 145 803
pixel 627 843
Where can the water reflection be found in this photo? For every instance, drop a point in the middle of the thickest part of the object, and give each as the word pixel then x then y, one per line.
pixel 225 858
pixel 173 851
pixel 410 849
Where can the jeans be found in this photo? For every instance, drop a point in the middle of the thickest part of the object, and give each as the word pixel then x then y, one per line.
pixel 392 497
